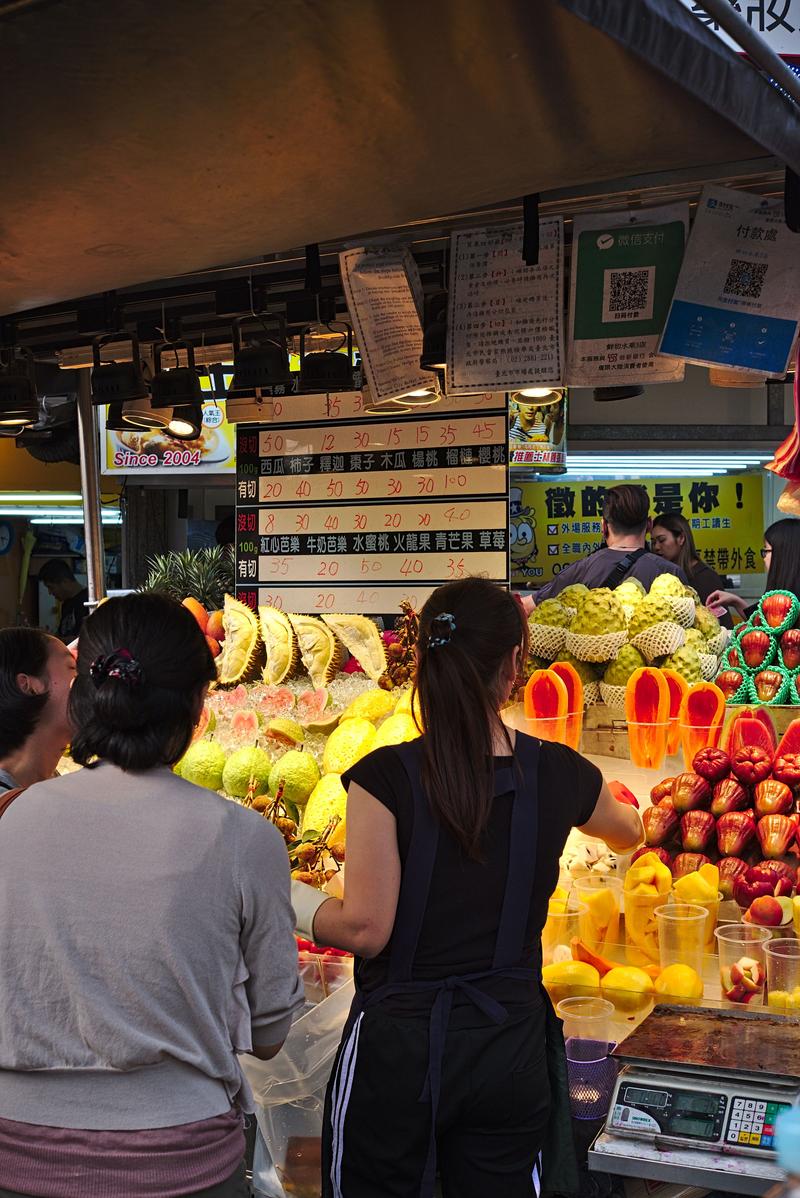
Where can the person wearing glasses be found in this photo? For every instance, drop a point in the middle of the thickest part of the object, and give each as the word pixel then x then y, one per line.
pixel 781 554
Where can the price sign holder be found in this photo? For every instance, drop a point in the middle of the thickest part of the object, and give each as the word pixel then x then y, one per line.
pixel 355 516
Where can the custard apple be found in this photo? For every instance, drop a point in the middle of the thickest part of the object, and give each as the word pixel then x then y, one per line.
pixel 691 593
pixel 668 584
pixel 585 671
pixel 552 613
pixel 599 613
pixel 572 595
pixel 630 592
pixel 706 622
pixel 655 609
pixel 686 662
pixel 696 639
pixel 628 661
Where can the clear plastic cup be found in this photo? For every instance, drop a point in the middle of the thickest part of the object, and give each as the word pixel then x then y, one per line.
pixel 560 929
pixel 562 729
pixel 783 975
pixel 694 738
pixel 587 1020
pixel 641 928
pixel 601 896
pixel 681 935
pixel 742 962
pixel 648 744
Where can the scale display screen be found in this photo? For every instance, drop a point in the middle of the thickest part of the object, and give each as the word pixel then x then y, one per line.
pixel 682 1125
pixel 656 1098
pixel 702 1104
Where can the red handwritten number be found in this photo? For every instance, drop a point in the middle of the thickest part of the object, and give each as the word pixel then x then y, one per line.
pixel 362 439
pixel 332 523
pixel 424 519
pixel 325 599
pixel 335 489
pixel 393 437
pixel 455 569
pixel 391 519
pixel 269 522
pixel 279 565
pixel 360 521
pixel 423 434
pixel 411 565
pixel 328 442
pixel 272 490
pixel 425 486
pixel 395 486
pixel 301 522
pixel 303 489
pixel 328 569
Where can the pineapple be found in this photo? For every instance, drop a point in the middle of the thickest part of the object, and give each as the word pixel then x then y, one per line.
pixel 203 574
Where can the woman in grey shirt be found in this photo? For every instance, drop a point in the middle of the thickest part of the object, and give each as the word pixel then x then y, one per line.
pixel 146 936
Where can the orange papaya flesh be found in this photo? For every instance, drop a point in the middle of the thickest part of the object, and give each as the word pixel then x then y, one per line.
pixel 702 714
pixel 546 706
pixel 678 687
pixel 647 713
pixel 572 680
pixel 582 952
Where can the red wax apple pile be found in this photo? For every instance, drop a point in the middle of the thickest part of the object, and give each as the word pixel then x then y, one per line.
pixel 738 806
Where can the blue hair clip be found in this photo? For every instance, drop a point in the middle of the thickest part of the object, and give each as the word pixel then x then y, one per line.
pixel 442 628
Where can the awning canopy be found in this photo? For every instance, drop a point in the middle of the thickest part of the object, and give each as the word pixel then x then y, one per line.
pixel 152 140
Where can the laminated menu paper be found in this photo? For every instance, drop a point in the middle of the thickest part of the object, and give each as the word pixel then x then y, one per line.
pixel 735 303
pixel 624 269
pixel 383 292
pixel 505 318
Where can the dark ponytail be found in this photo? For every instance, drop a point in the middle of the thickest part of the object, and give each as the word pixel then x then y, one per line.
pixel 784 565
pixel 22 651
pixel 467 632
pixel 142 665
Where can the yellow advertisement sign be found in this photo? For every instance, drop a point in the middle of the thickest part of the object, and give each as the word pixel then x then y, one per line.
pixel 554 523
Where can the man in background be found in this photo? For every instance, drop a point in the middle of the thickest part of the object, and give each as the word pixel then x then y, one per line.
pixel 62 584
pixel 626 525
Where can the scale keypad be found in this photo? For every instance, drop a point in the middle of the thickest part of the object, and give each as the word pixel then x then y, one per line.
pixel 752 1122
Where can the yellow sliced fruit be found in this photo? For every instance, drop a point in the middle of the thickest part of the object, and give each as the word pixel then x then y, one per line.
pixel 361 637
pixel 680 983
pixel 280 642
pixel 628 987
pixel 240 658
pixel 569 979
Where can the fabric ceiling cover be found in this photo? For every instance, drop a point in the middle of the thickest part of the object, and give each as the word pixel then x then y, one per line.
pixel 149 140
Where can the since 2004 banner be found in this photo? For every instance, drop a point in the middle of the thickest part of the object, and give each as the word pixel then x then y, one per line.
pixel 554 523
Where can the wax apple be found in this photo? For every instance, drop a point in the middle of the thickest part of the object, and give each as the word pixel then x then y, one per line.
pixel 751 764
pixel 729 795
pixel 772 798
pixel 712 764
pixel 775 834
pixel 730 869
pixel 659 823
pixel 730 681
pixel 755 647
pixel 775 608
pixel 690 791
pixel 787 769
pixel 735 830
pixel 661 791
pixel 687 863
pixel 697 830
pixel 790 648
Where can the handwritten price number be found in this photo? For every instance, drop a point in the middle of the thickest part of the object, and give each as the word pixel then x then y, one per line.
pixel 301 522
pixel 424 519
pixel 325 600
pixel 274 601
pixel 370 566
pixel 425 485
pixel 279 565
pixel 334 405
pixel 457 515
pixel 455 569
pixel 484 430
pixel 455 482
pixel 272 442
pixel 271 490
pixel 335 488
pixel 395 486
pixel 393 436
pixel 367 597
pixel 362 439
pixel 328 569
pixel 328 442
pixel 332 523
pixel 362 487
pixel 447 435
pixel 303 489
pixel 411 565
pixel 269 521
pixel 391 519
pixel 359 521
pixel 423 434
pixel 277 409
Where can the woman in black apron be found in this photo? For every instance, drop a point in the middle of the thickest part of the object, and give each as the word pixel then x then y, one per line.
pixel 453 843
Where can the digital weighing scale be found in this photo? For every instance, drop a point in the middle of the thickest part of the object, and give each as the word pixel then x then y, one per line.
pixel 697 1098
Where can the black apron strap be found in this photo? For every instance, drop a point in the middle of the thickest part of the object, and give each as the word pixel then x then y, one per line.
pixel 521 856
pixel 622 568
pixel 417 870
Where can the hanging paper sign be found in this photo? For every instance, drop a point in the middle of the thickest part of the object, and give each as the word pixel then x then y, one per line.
pixel 382 287
pixel 505 326
pixel 735 302
pixel 538 429
pixel 624 269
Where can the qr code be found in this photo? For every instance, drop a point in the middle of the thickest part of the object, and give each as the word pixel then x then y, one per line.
pixel 628 294
pixel 745 279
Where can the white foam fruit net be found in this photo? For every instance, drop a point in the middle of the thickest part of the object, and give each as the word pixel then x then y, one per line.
pixel 709 664
pixel 591 693
pixel 613 697
pixel 546 640
pixel 718 642
pixel 683 609
pixel 595 648
pixel 659 640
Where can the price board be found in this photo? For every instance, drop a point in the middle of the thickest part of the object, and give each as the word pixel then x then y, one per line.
pixel 354 517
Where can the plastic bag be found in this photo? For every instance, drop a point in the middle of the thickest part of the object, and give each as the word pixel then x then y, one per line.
pixel 289 1094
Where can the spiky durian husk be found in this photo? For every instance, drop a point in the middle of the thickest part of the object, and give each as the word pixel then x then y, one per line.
pixel 242 656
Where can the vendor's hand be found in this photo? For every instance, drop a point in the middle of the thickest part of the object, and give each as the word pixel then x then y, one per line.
pixel 725 599
pixel 306 901
pixel 623 795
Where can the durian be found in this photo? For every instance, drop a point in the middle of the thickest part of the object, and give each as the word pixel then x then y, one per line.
pixel 320 650
pixel 240 659
pixel 280 643
pixel 361 637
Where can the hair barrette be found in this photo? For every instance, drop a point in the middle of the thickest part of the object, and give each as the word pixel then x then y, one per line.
pixel 121 664
pixel 442 628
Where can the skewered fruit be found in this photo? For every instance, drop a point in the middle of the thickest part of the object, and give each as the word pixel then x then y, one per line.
pixel 686 662
pixel 551 612
pixel 203 764
pixel 626 663
pixel 600 612
pixel 655 609
pixel 297 773
pixel 239 660
pixel 242 766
